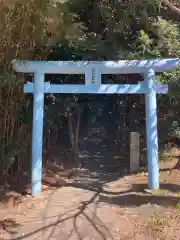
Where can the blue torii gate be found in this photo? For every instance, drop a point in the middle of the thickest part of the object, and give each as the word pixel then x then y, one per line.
pixel 93 71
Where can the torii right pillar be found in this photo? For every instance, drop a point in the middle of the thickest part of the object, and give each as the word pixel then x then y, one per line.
pixel 151 131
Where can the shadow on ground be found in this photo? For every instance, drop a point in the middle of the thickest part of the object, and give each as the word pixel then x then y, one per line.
pixel 9 226
pixel 134 197
pixel 72 215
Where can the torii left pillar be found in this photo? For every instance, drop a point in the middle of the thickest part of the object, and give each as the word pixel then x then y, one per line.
pixel 37 133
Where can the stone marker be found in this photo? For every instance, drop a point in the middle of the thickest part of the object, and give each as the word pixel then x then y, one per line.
pixel 134 152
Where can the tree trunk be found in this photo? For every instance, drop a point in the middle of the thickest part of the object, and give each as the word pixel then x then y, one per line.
pixel 74 135
pixel 77 129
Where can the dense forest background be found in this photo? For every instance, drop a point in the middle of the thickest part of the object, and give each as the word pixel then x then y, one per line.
pixel 84 30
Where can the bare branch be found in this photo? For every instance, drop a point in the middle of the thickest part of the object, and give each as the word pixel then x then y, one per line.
pixel 172 6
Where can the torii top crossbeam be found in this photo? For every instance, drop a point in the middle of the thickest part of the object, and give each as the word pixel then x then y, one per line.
pixel 105 67
pixel 93 71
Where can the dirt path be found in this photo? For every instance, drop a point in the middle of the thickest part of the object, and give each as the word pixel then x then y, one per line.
pixel 102 202
pixel 116 210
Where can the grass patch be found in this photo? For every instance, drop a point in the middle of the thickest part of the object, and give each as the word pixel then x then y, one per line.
pixel 158 227
pixel 178 206
pixel 162 192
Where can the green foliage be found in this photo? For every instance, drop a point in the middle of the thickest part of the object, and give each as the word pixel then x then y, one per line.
pixel 80 30
pixel 174 131
pixel 7 79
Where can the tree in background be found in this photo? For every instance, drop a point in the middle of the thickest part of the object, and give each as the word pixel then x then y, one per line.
pixel 80 30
